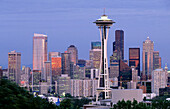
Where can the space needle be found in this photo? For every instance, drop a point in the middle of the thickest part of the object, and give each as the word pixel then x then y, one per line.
pixel 103 89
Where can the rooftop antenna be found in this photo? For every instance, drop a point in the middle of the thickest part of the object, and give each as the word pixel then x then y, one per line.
pixel 104 11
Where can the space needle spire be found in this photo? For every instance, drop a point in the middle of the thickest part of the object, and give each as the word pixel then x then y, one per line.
pixel 103 89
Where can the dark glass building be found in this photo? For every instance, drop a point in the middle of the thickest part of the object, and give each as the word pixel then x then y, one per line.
pixel 134 58
pixel 96 45
pixel 119 43
pixel 66 63
pixel 125 73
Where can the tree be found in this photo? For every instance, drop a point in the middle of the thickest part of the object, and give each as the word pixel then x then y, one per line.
pixel 14 97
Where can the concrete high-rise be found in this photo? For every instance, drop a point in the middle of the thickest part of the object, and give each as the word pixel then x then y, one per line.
pixel 73 53
pixel 119 44
pixel 103 86
pixel 158 80
pixel 95 56
pixel 147 59
pixel 39 51
pixel 134 58
pixel 14 66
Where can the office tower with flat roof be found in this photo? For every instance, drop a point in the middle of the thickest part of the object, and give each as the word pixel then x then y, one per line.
pixel 48 73
pixel 14 66
pixel 158 80
pixel 119 43
pixel 66 63
pixel 134 58
pixel 104 23
pixel 73 54
pixel 147 59
pixel 56 67
pixel 156 60
pixel 39 51
pixel 63 84
pixel 96 45
pixel 95 56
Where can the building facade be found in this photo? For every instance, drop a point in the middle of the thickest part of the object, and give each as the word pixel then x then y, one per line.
pixel 158 80
pixel 39 51
pixel 147 59
pixel 134 58
pixel 73 53
pixel 14 66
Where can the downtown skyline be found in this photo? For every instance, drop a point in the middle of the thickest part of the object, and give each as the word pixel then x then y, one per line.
pixel 73 26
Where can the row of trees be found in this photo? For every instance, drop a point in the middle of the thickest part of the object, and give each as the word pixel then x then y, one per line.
pixel 156 104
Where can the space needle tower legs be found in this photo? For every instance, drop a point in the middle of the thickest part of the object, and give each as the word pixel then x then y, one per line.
pixel 103 82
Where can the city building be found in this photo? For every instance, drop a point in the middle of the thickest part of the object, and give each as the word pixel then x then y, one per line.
pixel 66 63
pixel 78 72
pixel 134 58
pixel 146 86
pixel 114 69
pixel 36 79
pixel 56 67
pixel 43 88
pixel 63 84
pixel 53 54
pixel 126 94
pixel 73 53
pixel 25 76
pixel 147 59
pixel 85 87
pixel 119 44
pixel 39 51
pixel 95 55
pixel 125 73
pixel 95 45
pixel 134 74
pixel 47 73
pixel 158 80
pixel 156 60
pixel 14 66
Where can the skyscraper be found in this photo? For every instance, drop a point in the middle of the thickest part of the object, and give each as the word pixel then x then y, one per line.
pixel 14 66
pixel 39 51
pixel 119 43
pixel 147 60
pixel 125 73
pixel 134 58
pixel 96 45
pixel 56 67
pixel 53 54
pixel 73 53
pixel 158 80
pixel 103 86
pixel 66 63
pixel 95 56
pixel 156 60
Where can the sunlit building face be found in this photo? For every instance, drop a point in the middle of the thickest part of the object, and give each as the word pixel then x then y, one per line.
pixel 14 66
pixel 39 51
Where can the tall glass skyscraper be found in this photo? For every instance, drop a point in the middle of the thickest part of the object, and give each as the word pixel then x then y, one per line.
pixel 66 63
pixel 39 51
pixel 147 60
pixel 14 66
pixel 119 43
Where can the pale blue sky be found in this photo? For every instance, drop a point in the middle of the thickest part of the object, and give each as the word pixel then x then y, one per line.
pixel 70 22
